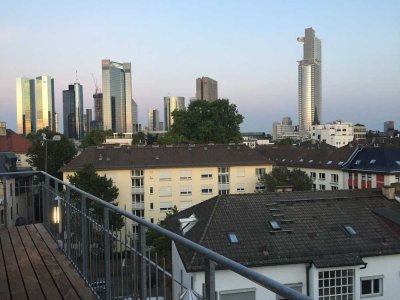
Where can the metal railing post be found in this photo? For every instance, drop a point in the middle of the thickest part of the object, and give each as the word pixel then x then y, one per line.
pixel 84 238
pixel 143 262
pixel 210 279
pixel 68 203
pixel 107 252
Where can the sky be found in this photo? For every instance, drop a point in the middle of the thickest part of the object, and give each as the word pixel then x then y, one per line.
pixel 249 47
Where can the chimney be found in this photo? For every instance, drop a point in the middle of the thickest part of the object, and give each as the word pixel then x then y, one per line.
pixel 389 192
pixel 3 129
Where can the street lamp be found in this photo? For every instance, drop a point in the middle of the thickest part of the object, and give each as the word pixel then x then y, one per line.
pixel 55 138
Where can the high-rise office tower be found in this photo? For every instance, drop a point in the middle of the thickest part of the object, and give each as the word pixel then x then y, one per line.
pixel 206 89
pixel 26 120
pixel 117 96
pixel 135 117
pixel 172 103
pixel 98 106
pixel 73 111
pixel 87 119
pixel 309 85
pixel 154 119
pixel 45 113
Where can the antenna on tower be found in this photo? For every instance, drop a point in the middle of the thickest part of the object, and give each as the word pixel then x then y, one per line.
pixel 76 76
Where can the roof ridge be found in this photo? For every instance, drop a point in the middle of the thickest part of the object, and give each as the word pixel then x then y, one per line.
pixel 205 230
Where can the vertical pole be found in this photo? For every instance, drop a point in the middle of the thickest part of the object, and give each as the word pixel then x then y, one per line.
pixel 210 279
pixel 45 156
pixel 84 238
pixel 46 202
pixel 143 264
pixel 5 202
pixel 68 203
pixel 107 253
pixel 165 280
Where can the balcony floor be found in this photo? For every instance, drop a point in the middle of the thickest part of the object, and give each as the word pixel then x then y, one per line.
pixel 32 266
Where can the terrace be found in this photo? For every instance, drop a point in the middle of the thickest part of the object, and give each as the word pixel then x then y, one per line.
pixel 73 251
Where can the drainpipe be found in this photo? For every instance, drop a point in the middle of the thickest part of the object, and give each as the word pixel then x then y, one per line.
pixel 308 278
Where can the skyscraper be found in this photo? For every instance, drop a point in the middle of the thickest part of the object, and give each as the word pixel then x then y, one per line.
pixel 172 103
pixel 98 106
pixel 117 96
pixel 26 119
pixel 73 111
pixel 87 120
pixel 206 89
pixel 45 113
pixel 309 85
pixel 135 117
pixel 154 119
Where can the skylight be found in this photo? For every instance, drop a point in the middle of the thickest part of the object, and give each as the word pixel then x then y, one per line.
pixel 329 162
pixel 340 163
pixel 310 161
pixel 301 160
pixel 372 161
pixel 232 237
pixel 358 161
pixel 275 225
pixel 350 230
pixel 187 223
pixel 398 162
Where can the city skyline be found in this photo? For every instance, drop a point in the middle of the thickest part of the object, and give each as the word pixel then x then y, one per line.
pixel 253 54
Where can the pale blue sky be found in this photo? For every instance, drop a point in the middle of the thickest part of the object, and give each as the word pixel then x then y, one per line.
pixel 249 47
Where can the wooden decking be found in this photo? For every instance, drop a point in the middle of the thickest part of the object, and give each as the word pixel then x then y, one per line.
pixel 32 267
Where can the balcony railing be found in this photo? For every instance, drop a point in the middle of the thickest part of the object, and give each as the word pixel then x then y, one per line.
pixel 223 186
pixel 137 190
pixel 112 261
pixel 137 205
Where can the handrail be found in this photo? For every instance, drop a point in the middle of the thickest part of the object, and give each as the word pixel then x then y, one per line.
pixel 248 273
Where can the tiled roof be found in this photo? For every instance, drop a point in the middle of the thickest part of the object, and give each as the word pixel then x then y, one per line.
pixel 318 156
pixel 376 160
pixel 312 228
pixel 129 157
pixel 14 142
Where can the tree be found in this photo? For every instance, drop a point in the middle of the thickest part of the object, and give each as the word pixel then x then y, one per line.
pixel 59 153
pixel 138 138
pixel 87 179
pixel 207 121
pixel 281 176
pixel 95 137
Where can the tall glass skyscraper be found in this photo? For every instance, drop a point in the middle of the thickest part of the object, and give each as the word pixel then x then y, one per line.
pixel 309 85
pixel 172 103
pixel 154 119
pixel 73 111
pixel 206 89
pixel 117 96
pixel 45 113
pixel 26 119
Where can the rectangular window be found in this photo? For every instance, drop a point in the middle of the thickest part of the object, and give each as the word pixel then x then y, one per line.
pixel 165 206
pixel 151 205
pixel 2 216
pixel 223 170
pixel 165 175
pixel 165 191
pixel 185 175
pixel 259 187
pixel 186 190
pixel 137 173
pixel 363 177
pixel 314 186
pixel 322 187
pixel 321 176
pixel 313 175
pixel 336 284
pixel 240 187
pixel 206 174
pixel 151 190
pixel 137 182
pixel 260 171
pixel 295 286
pixel 333 188
pixel 334 178
pixel 206 189
pixel 371 286
pixel 240 172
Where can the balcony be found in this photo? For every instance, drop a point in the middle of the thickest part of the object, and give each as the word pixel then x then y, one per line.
pixel 137 190
pixel 137 205
pixel 78 252
pixel 223 186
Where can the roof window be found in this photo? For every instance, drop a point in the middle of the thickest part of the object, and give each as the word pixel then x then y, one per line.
pixel 350 230
pixel 340 163
pixel 283 159
pixel 275 225
pixel 310 161
pixel 301 160
pixel 398 162
pixel 329 162
pixel 372 161
pixel 358 161
pixel 232 237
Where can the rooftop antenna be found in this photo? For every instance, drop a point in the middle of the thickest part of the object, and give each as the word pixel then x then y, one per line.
pixel 76 76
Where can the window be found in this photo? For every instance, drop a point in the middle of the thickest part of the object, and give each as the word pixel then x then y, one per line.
pixel 371 286
pixel 358 161
pixel 295 286
pixel 336 283
pixel 350 230
pixel 240 172
pixel 151 205
pixel 151 190
pixel 329 162
pixel 186 190
pixel 186 175
pixel 206 189
pixel 137 173
pixel 232 237
pixel 321 176
pixel 259 187
pixel 2 216
pixel 239 294
pixel 240 187
pixel 260 171
pixel 165 206
pixel 223 170
pixel 363 177
pixel 333 188
pixel 334 178
pixel 314 186
pixel 275 225
pixel 137 182
pixel 369 177
pixel 152 220
pixel 165 191
pixel 165 175
pixel 185 204
pixel 372 161
pixel 397 178
pixel 206 174
pixel 310 161
pixel 322 187
pixel 313 175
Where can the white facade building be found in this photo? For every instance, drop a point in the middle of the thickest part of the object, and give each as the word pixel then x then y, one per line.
pixel 336 134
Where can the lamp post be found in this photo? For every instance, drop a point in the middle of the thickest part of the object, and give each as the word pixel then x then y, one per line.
pixel 55 138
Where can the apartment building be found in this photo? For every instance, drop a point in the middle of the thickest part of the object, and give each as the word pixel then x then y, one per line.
pixel 10 141
pixel 154 179
pixel 337 133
